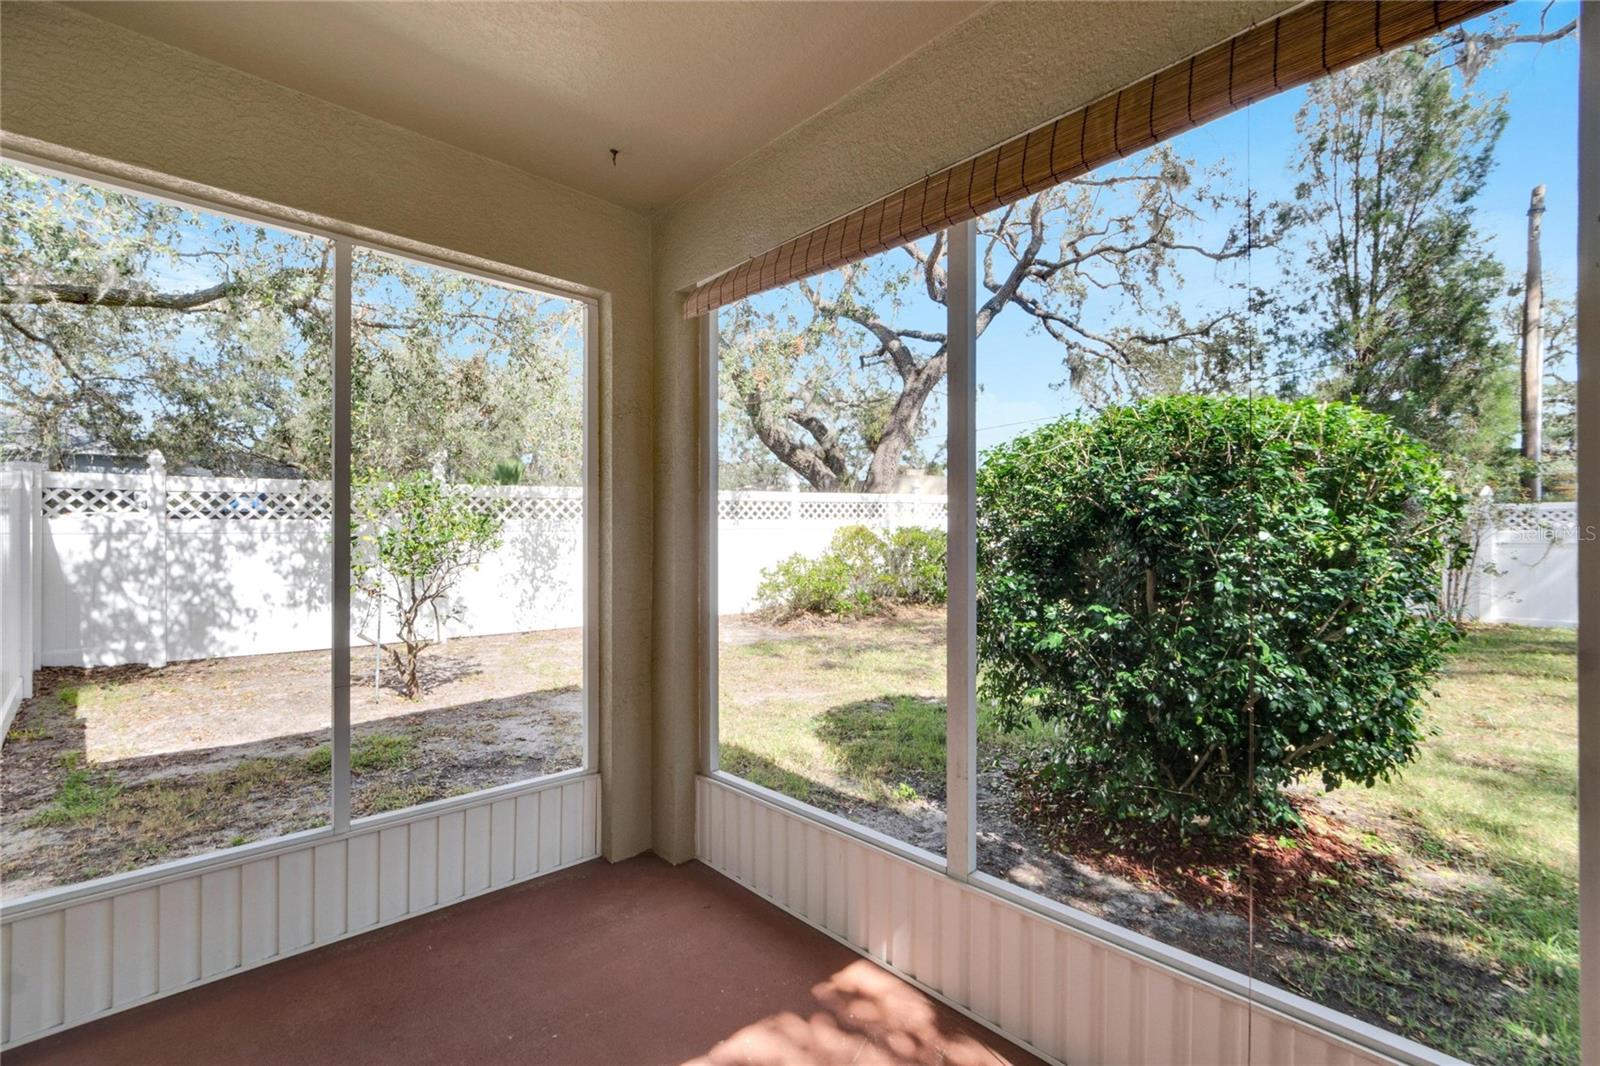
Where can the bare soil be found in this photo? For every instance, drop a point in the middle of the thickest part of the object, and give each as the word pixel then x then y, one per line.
pixel 114 768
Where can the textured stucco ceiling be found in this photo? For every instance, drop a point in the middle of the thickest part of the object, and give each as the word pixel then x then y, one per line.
pixel 683 89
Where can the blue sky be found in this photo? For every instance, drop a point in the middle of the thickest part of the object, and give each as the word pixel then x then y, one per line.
pixel 1018 370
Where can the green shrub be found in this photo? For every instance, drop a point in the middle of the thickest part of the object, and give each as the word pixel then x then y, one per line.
pixel 914 565
pixel 1210 598
pixel 860 573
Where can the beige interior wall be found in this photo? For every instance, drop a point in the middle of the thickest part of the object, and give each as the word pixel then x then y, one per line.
pixel 1005 70
pixel 81 92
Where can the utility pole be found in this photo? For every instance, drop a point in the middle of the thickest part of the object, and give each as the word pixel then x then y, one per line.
pixel 1533 351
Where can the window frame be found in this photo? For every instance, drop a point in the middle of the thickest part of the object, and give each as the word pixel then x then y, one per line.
pixel 961 672
pixel 345 243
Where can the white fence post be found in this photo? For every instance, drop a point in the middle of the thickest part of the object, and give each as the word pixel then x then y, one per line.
pixel 19 606
pixel 156 501
pixel 33 476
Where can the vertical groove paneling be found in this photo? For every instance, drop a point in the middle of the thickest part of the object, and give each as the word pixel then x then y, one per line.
pixel 1081 1002
pixel 133 950
pixel 528 835
pixel 818 903
pixel 36 995
pixel 422 853
pixel 361 881
pixel 1042 992
pixel 5 984
pixel 571 821
pixel 549 830
pixel 926 923
pixel 394 872
pixel 296 897
pixel 219 922
pixel 952 942
pixel 1208 1033
pixel 1012 967
pixel 329 893
pixel 1164 1043
pixel 81 960
pixel 981 992
pixel 747 842
pixel 827 885
pixel 591 816
pixel 762 878
pixel 503 841
pixel 1066 993
pixel 477 848
pixel 179 925
pixel 86 978
pixel 453 853
pixel 901 900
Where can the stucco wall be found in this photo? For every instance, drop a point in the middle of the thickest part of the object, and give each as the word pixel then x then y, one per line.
pixel 80 92
pixel 1010 67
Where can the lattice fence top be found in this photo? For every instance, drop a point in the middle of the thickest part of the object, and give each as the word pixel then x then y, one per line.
pixel 525 508
pixel 1538 521
pixel 61 501
pixel 208 499
pixel 840 507
pixel 747 509
pixel 264 505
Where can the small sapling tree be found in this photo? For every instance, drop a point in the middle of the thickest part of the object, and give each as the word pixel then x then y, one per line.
pixel 413 539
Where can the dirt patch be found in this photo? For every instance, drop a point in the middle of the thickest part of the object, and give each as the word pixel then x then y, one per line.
pixel 112 769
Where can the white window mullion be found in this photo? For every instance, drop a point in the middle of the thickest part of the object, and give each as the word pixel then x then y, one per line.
pixel 1588 408
pixel 961 669
pixel 591 537
pixel 342 327
pixel 709 429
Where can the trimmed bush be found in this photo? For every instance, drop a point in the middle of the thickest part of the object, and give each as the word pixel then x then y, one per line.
pixel 1206 599
pixel 860 573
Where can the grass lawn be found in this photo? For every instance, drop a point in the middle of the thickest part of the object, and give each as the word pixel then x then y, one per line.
pixel 1466 941
pixel 1485 824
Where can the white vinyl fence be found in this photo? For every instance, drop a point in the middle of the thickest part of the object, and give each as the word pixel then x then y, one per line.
pixel 1527 567
pixel 19 585
pixel 756 530
pixel 150 568
pixel 103 569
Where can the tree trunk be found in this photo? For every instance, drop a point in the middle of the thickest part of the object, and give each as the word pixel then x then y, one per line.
pixel 883 474
pixel 1533 351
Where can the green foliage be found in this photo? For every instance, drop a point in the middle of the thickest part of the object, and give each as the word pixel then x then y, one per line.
pixel 1207 599
pixel 860 573
pixel 1396 296
pixel 895 744
pixel 383 751
pixel 413 538
pixel 913 560
pixel 377 751
pixel 129 324
pixel 82 796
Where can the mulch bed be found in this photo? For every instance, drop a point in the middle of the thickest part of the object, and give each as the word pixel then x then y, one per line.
pixel 1282 873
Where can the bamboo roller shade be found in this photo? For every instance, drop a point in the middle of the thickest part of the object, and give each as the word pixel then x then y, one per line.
pixel 1292 49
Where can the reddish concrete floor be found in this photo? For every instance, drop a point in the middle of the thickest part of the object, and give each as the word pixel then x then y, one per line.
pixel 634 963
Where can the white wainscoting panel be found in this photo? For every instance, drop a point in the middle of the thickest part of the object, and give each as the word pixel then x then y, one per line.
pixel 98 951
pixel 1066 993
